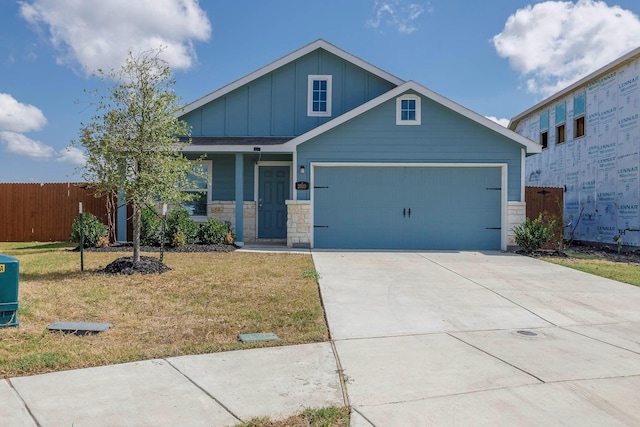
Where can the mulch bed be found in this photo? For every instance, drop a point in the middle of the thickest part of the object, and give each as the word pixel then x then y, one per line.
pixel 148 265
pixel 125 247
pixel 608 252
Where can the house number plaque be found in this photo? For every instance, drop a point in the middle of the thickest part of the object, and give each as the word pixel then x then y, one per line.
pixel 302 185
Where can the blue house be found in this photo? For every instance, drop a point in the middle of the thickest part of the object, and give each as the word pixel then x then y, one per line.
pixel 325 150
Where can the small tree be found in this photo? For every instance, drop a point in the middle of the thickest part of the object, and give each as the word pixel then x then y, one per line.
pixel 133 143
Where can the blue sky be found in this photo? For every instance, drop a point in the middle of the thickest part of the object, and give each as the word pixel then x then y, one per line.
pixel 496 57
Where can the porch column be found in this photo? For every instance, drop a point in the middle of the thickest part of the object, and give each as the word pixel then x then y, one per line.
pixel 239 198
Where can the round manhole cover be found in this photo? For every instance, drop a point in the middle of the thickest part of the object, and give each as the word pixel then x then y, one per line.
pixel 527 333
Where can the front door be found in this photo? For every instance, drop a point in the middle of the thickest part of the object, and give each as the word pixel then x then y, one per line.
pixel 273 190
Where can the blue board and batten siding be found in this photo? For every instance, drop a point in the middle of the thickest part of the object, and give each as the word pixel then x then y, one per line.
pixel 400 207
pixel 276 104
pixel 443 137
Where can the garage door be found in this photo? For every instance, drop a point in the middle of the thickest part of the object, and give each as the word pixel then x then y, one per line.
pixel 407 207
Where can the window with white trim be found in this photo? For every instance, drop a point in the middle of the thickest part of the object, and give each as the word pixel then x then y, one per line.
pixel 408 110
pixel 200 188
pixel 319 96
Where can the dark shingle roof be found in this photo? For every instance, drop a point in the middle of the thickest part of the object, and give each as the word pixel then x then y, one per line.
pixel 238 140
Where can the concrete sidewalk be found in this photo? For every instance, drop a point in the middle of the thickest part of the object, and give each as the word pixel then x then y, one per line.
pixel 482 339
pixel 220 389
pixel 423 338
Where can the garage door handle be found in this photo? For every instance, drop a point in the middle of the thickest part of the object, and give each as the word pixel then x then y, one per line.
pixel 404 213
pixel 409 212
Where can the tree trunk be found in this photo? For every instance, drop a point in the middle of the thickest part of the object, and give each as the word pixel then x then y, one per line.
pixel 137 216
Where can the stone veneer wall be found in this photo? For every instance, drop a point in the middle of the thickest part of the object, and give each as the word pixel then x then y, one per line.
pixel 298 223
pixel 516 215
pixel 226 211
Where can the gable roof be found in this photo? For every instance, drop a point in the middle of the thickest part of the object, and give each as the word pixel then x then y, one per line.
pixel 530 146
pixel 318 44
pixel 632 55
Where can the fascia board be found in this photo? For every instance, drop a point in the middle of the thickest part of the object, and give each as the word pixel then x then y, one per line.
pixel 530 146
pixel 318 44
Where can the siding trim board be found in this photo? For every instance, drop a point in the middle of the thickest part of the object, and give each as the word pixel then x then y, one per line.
pixel 503 191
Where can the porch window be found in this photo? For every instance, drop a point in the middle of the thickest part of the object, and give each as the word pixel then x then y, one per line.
pixel 200 189
pixel 408 111
pixel 319 96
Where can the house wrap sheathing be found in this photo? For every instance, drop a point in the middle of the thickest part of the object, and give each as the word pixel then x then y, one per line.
pixel 599 169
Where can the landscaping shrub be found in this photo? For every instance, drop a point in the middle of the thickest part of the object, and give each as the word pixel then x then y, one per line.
pixel 150 227
pixel 532 235
pixel 95 233
pixel 213 232
pixel 181 230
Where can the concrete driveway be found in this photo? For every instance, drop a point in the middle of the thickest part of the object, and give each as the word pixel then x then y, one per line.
pixel 481 338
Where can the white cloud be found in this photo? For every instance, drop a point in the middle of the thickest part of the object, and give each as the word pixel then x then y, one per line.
pixel 501 122
pixel 98 34
pixel 399 14
pixel 19 144
pixel 555 43
pixel 18 117
pixel 71 155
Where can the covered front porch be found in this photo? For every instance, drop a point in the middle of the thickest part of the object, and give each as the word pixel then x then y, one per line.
pixel 254 192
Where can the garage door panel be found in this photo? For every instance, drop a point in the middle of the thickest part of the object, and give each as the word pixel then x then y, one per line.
pixel 407 207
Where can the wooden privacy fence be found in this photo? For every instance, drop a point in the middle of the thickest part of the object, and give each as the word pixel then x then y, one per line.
pixel 548 201
pixel 544 199
pixel 44 212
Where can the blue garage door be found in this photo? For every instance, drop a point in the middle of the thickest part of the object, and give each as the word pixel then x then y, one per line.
pixel 407 207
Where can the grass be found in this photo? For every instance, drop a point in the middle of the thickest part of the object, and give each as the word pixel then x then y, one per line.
pixel 323 417
pixel 620 271
pixel 200 306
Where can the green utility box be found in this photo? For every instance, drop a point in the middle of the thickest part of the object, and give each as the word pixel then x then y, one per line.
pixel 9 270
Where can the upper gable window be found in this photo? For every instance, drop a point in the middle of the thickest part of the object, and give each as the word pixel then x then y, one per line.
pixel 319 96
pixel 408 111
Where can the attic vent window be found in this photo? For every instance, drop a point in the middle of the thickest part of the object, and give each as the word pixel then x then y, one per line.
pixel 319 96
pixel 408 111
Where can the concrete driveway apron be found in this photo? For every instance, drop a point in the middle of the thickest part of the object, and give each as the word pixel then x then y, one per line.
pixel 481 338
